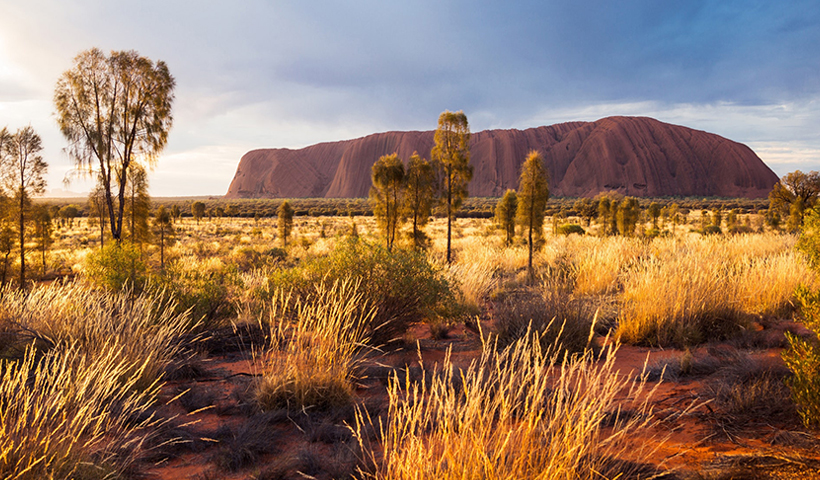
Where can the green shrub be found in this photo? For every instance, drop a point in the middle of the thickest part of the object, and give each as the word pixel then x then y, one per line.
pixel 116 266
pixel 206 293
pixel 569 228
pixel 402 285
pixel 802 356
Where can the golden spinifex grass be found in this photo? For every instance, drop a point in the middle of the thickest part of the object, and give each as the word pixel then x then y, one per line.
pixel 688 291
pixel 72 415
pixel 145 327
pixel 523 413
pixel 314 345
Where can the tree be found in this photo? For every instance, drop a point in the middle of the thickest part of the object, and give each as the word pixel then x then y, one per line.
pixel 97 209
pixel 533 193
pixel 505 212
pixel 285 214
pixel 138 205
pixel 654 212
pixel 175 213
pixel 69 213
pixel 387 195
pixel 419 197
pixel 164 231
pixel 198 211
pixel 451 155
pixel 794 193
pixel 115 112
pixel 22 175
pixel 586 209
pixel 627 216
pixel 42 231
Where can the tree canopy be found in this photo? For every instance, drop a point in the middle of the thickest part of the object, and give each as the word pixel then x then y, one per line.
pixel 114 110
pixel 387 195
pixel 451 155
pixel 533 193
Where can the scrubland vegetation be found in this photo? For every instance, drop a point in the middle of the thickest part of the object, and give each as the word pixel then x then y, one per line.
pixel 87 357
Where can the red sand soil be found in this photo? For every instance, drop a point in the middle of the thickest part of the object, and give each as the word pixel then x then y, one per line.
pixel 696 444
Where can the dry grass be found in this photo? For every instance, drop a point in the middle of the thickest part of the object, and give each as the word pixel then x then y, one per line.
pixel 73 415
pixel 314 343
pixel 522 413
pixel 145 328
pixel 697 289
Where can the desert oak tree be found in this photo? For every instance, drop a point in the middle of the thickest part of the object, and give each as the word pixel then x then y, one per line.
pixel 533 193
pixel 387 195
pixel 505 212
pixel 285 214
pixel 451 155
pixel 22 175
pixel 114 111
pixel 419 196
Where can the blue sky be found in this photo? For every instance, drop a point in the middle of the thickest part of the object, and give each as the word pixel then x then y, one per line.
pixel 254 74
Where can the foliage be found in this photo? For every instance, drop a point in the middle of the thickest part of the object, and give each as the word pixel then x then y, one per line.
pixel 451 157
pixel 387 195
pixel 793 194
pixel 419 197
pixel 114 111
pixel 137 205
pixel 206 293
pixel 21 173
pixel 803 355
pixel 533 193
pixel 115 267
pixel 505 215
pixel 570 228
pixel 164 231
pixel 285 222
pixel 401 285
pixel 198 211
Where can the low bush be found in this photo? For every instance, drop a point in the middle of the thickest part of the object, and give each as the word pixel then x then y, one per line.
pixel 116 266
pixel 207 293
pixel 401 285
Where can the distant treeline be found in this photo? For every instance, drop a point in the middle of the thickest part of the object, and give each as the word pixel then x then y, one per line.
pixel 476 207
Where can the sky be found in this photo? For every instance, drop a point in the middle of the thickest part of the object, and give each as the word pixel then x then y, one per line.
pixel 267 74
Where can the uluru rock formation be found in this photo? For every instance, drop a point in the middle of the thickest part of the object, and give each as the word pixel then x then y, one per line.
pixel 635 156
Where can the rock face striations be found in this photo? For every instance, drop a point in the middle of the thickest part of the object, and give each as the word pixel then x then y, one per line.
pixel 635 156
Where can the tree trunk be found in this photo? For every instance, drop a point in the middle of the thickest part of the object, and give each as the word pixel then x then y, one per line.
pixel 22 242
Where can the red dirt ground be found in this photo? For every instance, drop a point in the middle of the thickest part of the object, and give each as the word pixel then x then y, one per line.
pixel 702 440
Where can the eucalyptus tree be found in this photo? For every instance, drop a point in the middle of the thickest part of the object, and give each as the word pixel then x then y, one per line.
pixel 387 195
pixel 22 176
pixel 533 193
pixel 451 155
pixel 419 197
pixel 115 112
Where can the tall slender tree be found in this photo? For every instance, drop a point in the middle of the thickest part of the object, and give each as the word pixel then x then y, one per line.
pixel 97 209
pixel 533 193
pixel 163 230
pixel 419 197
pixel 451 155
pixel 114 111
pixel 198 211
pixel 22 172
pixel 387 195
pixel 285 215
pixel 505 212
pixel 42 231
pixel 138 205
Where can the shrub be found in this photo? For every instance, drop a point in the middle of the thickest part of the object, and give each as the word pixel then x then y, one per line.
pixel 570 228
pixel 205 292
pixel 401 285
pixel 802 357
pixel 116 266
